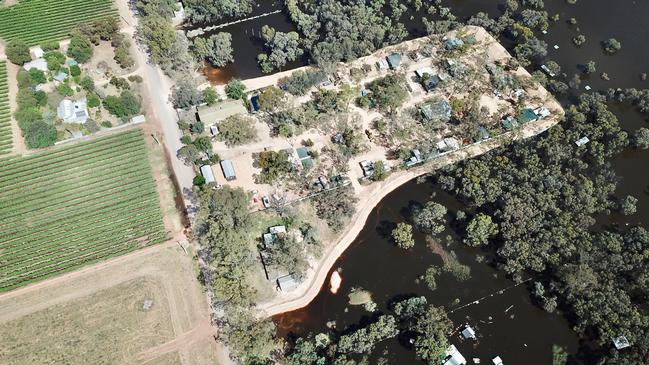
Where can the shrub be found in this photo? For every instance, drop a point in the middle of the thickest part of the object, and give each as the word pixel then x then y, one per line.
pixel 65 90
pixel 80 48
pixel 122 106
pixel 235 89
pixel 75 70
pixel 402 236
pixel 106 124
pixel 40 134
pixel 199 180
pixel 17 52
pixel 237 130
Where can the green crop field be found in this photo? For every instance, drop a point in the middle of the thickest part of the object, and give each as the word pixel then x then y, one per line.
pixel 36 21
pixel 72 206
pixel 5 113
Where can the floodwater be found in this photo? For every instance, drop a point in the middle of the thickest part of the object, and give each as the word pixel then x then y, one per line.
pixel 507 323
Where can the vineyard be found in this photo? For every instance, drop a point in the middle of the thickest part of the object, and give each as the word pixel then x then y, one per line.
pixel 5 113
pixel 37 21
pixel 73 206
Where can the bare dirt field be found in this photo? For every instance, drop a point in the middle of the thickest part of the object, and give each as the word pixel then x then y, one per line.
pixel 98 315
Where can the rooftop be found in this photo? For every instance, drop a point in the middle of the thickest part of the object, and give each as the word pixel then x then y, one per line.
pixel 220 111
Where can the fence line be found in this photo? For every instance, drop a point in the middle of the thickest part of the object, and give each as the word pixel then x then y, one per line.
pixel 196 32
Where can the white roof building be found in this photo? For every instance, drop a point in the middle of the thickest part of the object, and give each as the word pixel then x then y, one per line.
pixel 621 342
pixel 277 229
pixel 38 63
pixel 36 52
pixel 497 360
pixel 73 111
pixel 448 144
pixel 454 357
pixel 138 119
pixel 582 141
pixel 468 333
pixel 208 174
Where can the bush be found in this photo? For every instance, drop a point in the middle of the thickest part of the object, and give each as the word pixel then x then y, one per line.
pixel 40 134
pixel 49 46
pixel 80 48
pixel 106 124
pixel 235 89
pixel 210 96
pixel 135 78
pixel 37 76
pixel 75 70
pixel 123 57
pixel 123 106
pixel 65 90
pixel 18 52
pixel 199 180
pixel 87 84
pixel 54 60
pixel 93 100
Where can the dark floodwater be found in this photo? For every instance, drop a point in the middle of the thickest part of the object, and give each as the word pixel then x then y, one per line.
pixel 506 322
pixel 524 334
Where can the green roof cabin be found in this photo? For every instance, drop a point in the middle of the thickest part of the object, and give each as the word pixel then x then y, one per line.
pixel 394 60
pixel 527 115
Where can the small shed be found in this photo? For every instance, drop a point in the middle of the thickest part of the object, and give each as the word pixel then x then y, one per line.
pixel 305 157
pixel 367 167
pixel 269 240
pixel 228 170
pixel 383 64
pixel 394 60
pixel 220 111
pixel 621 342
pixel 468 333
pixel 453 44
pixel 542 112
pixel 510 123
pixel 431 82
pixel 138 119
pixel 527 115
pixel 448 144
pixel 287 283
pixel 497 360
pixel 206 171
pixel 582 141
pixel 61 76
pixel 277 229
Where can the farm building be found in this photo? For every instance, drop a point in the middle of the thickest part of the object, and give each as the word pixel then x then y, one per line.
pixel 220 111
pixel 287 283
pixel 73 111
pixel 394 60
pixel 208 174
pixel 228 170
pixel 437 111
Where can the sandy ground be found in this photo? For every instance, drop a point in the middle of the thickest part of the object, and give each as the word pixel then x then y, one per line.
pixel 166 265
pixel 17 137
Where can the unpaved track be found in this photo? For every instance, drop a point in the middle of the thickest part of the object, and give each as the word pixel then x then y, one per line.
pixel 201 331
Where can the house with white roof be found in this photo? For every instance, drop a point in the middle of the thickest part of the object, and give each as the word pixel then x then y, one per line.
pixel 38 63
pixel 73 111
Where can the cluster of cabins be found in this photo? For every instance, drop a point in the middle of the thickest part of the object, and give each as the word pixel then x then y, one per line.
pixel 454 357
pixel 285 281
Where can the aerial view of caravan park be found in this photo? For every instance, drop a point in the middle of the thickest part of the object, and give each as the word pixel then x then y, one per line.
pixel 324 182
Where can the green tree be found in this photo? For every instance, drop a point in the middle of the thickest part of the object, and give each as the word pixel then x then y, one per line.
pixel 559 355
pixel 17 52
pixel 628 205
pixel 87 84
pixel 210 96
pixel 380 172
pixel 37 76
pixel 217 49
pixel 480 229
pixel 611 45
pixel 235 89
pixel 641 138
pixel 199 180
pixel 431 342
pixel 237 130
pixel 185 93
pixel 283 47
pixel 402 235
pixel 80 48
pixel 430 218
pixel 271 99
pixel 65 90
pixel 123 106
